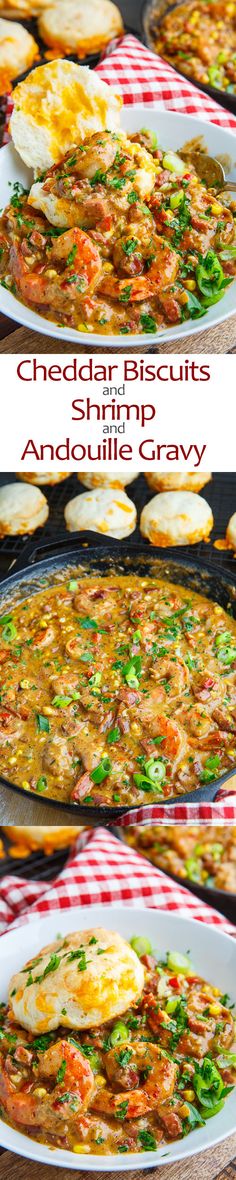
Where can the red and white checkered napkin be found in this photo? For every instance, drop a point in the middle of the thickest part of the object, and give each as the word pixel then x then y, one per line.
pixel 101 870
pixel 143 77
pixel 223 811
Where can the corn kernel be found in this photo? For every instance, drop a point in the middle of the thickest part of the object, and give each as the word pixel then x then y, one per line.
pixel 48 711
pixel 215 1009
pixel 24 684
pixel 216 991
pixel 189 1094
pixel 40 1092
pixel 81 1149
pixel 108 267
pixel 216 208
pixel 26 785
pixel 190 284
pixel 51 274
pixel 101 1080
pixel 12 760
pixel 43 624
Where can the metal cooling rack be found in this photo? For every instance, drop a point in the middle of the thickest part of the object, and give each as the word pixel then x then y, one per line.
pixel 38 866
pixel 220 494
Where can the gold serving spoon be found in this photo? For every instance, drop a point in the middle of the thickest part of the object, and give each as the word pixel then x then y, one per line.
pixel 210 170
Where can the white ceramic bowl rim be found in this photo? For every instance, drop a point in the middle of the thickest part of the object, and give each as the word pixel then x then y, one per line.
pixel 213 955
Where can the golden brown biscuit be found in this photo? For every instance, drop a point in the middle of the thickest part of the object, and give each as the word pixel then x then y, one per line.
pixel 176 518
pixel 176 481
pixel 22 509
pixel 106 987
pixel 76 26
pixel 42 477
pixel 104 511
pixel 231 532
pixel 56 108
pixel 107 479
pixel 32 838
pixel 18 49
pixel 22 9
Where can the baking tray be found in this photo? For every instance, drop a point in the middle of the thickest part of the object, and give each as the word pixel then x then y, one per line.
pixel 90 554
pixel 220 494
pixel 162 7
pixel 218 898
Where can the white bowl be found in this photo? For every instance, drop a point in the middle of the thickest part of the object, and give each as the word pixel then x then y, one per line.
pixel 214 957
pixel 173 131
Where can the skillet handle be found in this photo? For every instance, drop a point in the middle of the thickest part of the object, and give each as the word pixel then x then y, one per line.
pixel 33 550
pixel 18 563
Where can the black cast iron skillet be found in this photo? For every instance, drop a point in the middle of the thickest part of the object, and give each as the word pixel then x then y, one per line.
pixel 157 10
pixel 92 556
pixel 218 898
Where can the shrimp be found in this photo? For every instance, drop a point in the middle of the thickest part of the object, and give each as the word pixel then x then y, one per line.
pixel 44 637
pixel 208 688
pixel 3 655
pixel 159 1076
pixel 64 683
pixel 161 274
pixel 173 675
pixel 43 285
pixel 96 155
pixel 10 726
pixel 71 1093
pixel 173 737
pixel 76 250
pixel 198 722
pixel 33 285
pixel 75 647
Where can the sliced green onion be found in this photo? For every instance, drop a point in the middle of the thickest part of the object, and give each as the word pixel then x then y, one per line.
pixel 173 163
pixel 101 771
pixel 179 963
pixel 141 946
pixel 119 1034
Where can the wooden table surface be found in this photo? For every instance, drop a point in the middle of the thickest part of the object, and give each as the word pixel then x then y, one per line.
pixel 218 1163
pixel 221 339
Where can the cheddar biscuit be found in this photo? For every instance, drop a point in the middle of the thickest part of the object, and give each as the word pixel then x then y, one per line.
pixel 56 108
pixel 104 511
pixel 42 477
pixel 176 518
pixel 22 509
pixel 107 479
pixel 168 481
pixel 18 49
pixel 73 26
pixel 22 9
pixel 112 978
pixel 231 531
pixel 42 837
